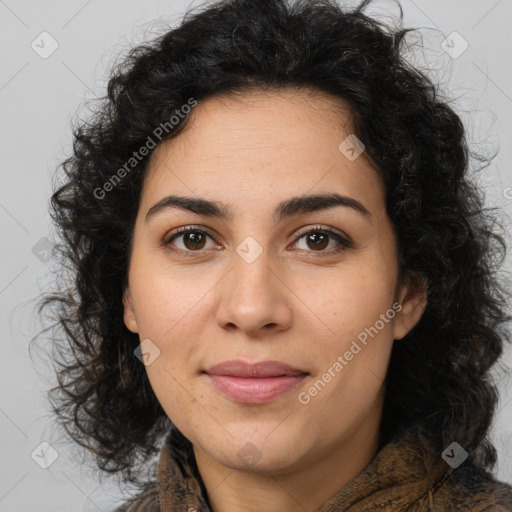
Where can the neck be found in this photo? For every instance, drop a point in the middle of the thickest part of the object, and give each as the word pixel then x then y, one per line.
pixel 306 488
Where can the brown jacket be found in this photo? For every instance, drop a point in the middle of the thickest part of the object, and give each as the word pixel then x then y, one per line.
pixel 405 475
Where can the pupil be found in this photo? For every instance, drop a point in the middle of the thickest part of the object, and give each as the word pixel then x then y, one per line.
pixel 317 237
pixel 194 238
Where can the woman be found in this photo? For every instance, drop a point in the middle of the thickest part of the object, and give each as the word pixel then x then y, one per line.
pixel 284 281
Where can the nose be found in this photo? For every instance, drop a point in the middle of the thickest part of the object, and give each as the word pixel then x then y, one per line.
pixel 254 298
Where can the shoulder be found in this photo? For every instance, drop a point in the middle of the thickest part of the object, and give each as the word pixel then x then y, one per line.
pixel 466 487
pixel 146 501
pixel 475 489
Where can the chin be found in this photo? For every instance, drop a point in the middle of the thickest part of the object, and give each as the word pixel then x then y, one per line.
pixel 259 452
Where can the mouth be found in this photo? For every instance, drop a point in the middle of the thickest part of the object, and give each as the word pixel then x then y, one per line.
pixel 254 383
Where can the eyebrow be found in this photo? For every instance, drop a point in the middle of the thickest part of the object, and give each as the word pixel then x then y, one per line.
pixel 293 206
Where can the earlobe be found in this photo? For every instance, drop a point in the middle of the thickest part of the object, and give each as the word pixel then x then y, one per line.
pixel 129 314
pixel 413 298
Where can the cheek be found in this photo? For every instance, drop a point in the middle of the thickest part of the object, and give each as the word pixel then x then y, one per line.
pixel 352 363
pixel 167 310
pixel 358 308
pixel 173 393
pixel 352 300
pixel 166 299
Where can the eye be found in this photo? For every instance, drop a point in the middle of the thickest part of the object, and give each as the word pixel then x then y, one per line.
pixel 318 239
pixel 194 239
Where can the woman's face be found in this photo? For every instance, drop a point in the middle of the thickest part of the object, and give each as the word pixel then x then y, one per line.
pixel 268 283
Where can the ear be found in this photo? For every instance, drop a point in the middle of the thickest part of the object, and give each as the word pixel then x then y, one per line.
pixel 129 313
pixel 412 296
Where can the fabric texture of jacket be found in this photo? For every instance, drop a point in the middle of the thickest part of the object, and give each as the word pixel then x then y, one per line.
pixel 405 475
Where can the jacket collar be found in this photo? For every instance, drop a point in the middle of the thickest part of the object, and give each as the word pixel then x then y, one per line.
pixel 407 474
pixel 401 472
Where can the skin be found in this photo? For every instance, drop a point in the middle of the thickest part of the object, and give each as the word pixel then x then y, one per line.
pixel 294 303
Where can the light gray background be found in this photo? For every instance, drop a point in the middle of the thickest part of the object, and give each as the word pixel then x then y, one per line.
pixel 38 98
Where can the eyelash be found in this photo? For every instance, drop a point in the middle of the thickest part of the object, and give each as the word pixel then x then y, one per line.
pixel 344 242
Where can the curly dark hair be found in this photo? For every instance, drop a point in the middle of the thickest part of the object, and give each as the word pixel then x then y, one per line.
pixel 438 374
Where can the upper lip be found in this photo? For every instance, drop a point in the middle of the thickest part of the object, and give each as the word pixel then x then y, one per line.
pixel 238 368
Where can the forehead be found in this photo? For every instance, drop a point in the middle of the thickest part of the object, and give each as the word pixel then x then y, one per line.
pixel 258 143
pixel 257 119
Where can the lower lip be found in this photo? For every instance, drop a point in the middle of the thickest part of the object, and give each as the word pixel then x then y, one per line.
pixel 255 390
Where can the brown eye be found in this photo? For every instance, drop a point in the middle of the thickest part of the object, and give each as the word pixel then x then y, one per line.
pixel 316 240
pixel 192 239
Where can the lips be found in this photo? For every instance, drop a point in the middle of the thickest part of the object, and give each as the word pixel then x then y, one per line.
pixel 254 383
pixel 237 368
